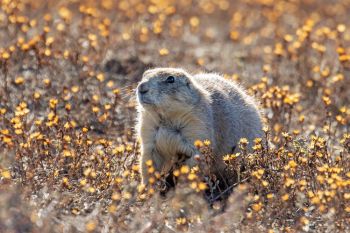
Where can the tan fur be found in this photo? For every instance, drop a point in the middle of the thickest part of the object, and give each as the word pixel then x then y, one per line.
pixel 171 116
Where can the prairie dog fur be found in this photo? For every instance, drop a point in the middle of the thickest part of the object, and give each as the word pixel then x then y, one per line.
pixel 176 108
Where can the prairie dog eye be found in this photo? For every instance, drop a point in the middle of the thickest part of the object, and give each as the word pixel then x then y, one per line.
pixel 170 79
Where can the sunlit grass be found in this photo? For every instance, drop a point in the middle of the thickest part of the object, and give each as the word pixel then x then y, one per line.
pixel 69 156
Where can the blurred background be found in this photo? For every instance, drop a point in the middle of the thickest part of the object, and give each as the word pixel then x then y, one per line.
pixel 98 42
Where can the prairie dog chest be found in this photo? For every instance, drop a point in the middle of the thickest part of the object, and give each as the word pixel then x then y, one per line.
pixel 189 129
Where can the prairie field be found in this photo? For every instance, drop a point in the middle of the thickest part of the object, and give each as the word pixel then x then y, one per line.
pixel 69 156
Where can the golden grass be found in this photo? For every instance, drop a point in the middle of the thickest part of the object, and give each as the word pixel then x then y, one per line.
pixel 68 153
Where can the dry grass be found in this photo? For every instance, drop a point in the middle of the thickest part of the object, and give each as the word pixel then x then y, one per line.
pixel 69 157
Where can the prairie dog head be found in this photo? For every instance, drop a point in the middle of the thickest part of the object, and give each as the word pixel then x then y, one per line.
pixel 167 90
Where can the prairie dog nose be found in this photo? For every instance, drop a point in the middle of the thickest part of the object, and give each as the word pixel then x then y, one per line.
pixel 143 88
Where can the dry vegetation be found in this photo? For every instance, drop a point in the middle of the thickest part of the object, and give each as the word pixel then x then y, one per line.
pixel 68 153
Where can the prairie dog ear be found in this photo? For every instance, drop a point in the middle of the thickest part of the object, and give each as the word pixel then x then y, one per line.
pixel 189 81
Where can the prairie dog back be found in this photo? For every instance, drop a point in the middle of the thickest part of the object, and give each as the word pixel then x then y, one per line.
pixel 235 114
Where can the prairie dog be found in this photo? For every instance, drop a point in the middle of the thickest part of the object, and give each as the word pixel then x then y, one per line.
pixel 176 108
